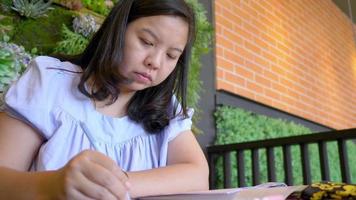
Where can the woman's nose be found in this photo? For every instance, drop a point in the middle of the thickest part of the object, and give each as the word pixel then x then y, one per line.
pixel 154 60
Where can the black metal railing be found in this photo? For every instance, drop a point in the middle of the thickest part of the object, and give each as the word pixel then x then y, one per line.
pixel 303 141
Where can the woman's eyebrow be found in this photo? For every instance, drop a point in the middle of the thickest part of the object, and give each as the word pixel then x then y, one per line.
pixel 156 38
pixel 177 49
pixel 150 33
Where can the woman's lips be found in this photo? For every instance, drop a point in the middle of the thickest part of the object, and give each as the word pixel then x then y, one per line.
pixel 143 77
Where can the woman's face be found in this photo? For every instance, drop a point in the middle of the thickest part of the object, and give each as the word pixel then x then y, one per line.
pixel 152 48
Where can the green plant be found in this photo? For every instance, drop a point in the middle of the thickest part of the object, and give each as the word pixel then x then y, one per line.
pixel 13 61
pixel 5 5
pixel 98 6
pixel 70 4
pixel 85 25
pixel 7 64
pixel 72 43
pixel 7 25
pixel 201 46
pixel 235 125
pixel 4 29
pixel 42 33
pixel 31 8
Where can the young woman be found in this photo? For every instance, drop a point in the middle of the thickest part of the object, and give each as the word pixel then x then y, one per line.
pixel 112 123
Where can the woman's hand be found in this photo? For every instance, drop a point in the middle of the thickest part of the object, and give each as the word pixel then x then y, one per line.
pixel 92 175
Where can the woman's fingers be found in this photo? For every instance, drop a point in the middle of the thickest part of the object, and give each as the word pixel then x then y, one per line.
pixel 124 177
pixel 76 194
pixel 106 179
pixel 95 176
pixel 110 165
pixel 92 190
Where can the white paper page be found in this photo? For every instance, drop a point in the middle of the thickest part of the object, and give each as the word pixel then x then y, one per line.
pixel 252 193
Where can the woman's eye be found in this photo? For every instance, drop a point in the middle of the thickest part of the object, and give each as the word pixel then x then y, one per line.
pixel 146 42
pixel 171 56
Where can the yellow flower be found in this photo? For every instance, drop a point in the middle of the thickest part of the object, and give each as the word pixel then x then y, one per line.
pixel 349 190
pixel 326 186
pixel 317 195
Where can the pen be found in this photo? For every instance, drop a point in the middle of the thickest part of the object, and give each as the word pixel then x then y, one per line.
pixel 96 148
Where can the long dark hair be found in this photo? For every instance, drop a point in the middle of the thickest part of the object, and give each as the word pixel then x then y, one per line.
pixel 152 106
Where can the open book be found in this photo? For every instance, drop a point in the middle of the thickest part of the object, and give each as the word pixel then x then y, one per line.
pixel 267 191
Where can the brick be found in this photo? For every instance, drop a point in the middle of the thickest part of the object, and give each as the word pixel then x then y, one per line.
pixel 219 50
pixel 271 93
pixel 252 47
pixel 244 72
pixel 244 53
pixel 222 21
pixel 264 100
pixel 223 85
pixel 262 44
pixel 262 62
pixel 222 41
pixel 235 79
pixel 244 92
pixel 233 57
pixel 254 87
pixel 220 74
pixel 254 67
pixel 225 64
pixel 232 37
pixel 279 87
pixel 262 80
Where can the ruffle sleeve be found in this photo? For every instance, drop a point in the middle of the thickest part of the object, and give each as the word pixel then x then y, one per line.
pixel 179 123
pixel 30 98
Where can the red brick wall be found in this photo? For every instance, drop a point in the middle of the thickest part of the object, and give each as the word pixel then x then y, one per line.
pixel 298 56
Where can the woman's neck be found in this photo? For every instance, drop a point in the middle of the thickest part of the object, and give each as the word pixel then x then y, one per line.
pixel 116 109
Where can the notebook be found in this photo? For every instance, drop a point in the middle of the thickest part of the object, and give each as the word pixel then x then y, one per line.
pixel 267 191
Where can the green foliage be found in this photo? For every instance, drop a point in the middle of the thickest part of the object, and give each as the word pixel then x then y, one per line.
pixel 97 6
pixel 5 5
pixel 6 26
pixel 31 8
pixel 13 60
pixel 235 125
pixel 201 46
pixel 232 122
pixel 70 4
pixel 7 66
pixel 42 33
pixel 72 43
pixel 85 25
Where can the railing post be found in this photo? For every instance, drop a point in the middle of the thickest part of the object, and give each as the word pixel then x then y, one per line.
pixel 324 163
pixel 241 168
pixel 270 164
pixel 227 170
pixel 255 167
pixel 305 163
pixel 212 170
pixel 287 160
pixel 344 162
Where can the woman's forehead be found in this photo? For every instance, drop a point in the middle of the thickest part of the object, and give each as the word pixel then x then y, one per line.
pixel 163 27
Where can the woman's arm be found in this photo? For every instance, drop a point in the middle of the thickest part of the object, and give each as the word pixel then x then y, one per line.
pixel 18 146
pixel 89 175
pixel 186 170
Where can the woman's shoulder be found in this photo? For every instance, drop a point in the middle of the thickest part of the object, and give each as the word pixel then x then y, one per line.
pixel 45 78
pixel 49 64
